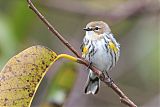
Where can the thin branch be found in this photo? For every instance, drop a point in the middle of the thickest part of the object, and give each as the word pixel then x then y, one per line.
pixel 51 28
pixel 123 98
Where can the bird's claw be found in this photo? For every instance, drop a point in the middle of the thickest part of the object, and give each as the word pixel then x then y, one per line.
pixel 109 81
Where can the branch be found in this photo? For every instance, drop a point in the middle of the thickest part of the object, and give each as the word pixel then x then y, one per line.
pixel 123 98
pixel 51 28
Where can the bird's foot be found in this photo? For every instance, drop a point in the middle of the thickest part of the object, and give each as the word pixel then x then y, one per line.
pixel 108 79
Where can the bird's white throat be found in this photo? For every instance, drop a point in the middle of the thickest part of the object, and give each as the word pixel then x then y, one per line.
pixel 91 35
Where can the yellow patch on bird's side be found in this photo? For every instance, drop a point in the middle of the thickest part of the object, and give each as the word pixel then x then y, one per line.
pixel 84 50
pixel 112 46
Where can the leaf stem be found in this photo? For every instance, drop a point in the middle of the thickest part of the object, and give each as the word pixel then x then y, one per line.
pixel 69 57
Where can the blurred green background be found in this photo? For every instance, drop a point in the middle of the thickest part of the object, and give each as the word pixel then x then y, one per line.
pixel 135 23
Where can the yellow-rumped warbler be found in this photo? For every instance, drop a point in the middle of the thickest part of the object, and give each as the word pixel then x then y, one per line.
pixel 101 49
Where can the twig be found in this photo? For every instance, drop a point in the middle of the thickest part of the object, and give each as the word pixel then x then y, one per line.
pixel 51 28
pixel 123 98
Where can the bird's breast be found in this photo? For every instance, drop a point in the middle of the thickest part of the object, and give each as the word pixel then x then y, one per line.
pixel 101 58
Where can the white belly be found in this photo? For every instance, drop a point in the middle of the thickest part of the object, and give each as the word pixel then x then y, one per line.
pixel 101 59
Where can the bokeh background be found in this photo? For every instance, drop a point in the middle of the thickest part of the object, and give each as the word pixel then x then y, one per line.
pixel 135 23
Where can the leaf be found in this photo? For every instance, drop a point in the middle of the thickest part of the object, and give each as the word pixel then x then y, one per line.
pixel 21 76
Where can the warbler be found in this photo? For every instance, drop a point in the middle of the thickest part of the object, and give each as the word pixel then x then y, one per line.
pixel 100 48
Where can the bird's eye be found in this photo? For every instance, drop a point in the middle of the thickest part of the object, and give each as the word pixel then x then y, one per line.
pixel 96 28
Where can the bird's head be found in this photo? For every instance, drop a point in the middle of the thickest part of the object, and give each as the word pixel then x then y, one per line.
pixel 96 30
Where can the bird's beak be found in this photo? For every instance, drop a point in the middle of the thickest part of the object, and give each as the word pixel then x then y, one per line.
pixel 87 29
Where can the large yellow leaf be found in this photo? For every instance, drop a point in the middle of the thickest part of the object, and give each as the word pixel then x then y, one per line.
pixel 21 76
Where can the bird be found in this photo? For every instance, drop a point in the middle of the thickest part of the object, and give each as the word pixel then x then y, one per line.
pixel 100 49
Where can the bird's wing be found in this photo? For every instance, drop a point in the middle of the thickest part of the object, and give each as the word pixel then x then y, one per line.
pixel 112 46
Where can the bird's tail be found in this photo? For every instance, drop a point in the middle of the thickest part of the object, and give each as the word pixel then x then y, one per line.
pixel 92 84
